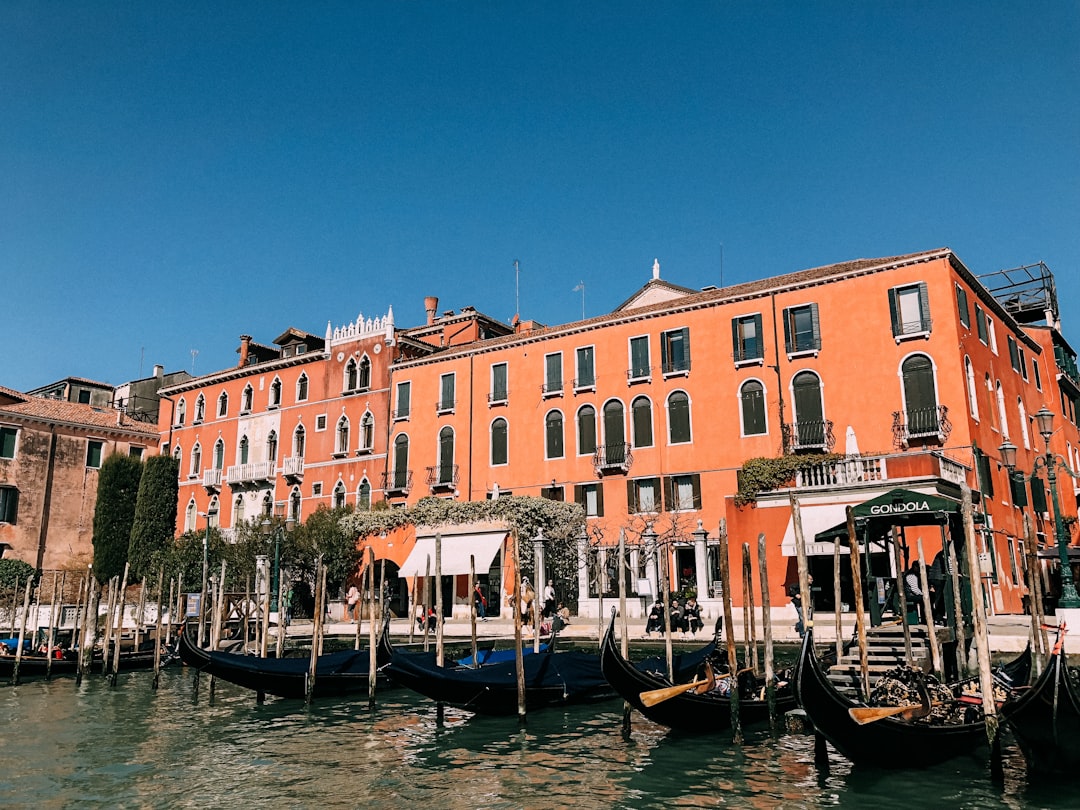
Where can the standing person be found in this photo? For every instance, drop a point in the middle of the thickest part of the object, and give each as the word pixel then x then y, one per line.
pixel 796 601
pixel 913 589
pixel 353 600
pixel 936 578
pixel 549 599
pixel 480 602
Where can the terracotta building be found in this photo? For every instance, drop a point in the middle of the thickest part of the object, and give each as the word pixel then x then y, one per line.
pixel 907 370
pixel 50 453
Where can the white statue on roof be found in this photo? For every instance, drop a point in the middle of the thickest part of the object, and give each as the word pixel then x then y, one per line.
pixel 655 269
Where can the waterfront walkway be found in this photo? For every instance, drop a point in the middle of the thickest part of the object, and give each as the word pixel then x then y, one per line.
pixel 1008 633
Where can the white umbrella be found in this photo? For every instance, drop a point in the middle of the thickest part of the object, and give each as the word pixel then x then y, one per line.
pixel 851 444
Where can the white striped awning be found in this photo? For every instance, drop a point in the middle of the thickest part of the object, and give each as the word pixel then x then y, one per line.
pixel 456 550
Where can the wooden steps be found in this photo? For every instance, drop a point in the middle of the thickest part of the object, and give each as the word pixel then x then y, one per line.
pixel 885 651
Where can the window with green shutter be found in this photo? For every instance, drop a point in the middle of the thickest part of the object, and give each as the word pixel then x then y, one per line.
pixel 639 358
pixel 802 332
pixel 675 351
pixel 93 453
pixel 8 435
pixel 9 505
pixel 909 308
pixel 962 306
pixel 746 338
pixel 980 325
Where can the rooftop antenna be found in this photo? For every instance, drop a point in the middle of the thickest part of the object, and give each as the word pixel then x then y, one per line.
pixel 581 288
pixel 721 264
pixel 194 354
pixel 517 287
pixel 142 357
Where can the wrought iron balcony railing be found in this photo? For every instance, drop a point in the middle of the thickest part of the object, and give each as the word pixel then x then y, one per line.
pixel 813 434
pixel 397 482
pixel 930 423
pixel 613 458
pixel 442 476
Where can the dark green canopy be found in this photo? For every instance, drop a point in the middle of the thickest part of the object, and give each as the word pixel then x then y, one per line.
pixel 897 507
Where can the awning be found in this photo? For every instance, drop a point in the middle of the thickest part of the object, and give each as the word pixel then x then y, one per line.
pixel 456 549
pixel 815 519
pixel 897 507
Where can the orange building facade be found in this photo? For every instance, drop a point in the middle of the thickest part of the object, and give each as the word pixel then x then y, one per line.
pixel 908 368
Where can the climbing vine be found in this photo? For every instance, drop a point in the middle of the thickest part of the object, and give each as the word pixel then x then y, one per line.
pixel 763 474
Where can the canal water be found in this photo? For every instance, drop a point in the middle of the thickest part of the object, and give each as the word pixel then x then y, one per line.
pixel 92 745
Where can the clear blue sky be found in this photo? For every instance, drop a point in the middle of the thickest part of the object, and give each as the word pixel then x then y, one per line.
pixel 173 175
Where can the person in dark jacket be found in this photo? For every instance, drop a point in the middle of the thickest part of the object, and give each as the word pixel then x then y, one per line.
pixel 655 621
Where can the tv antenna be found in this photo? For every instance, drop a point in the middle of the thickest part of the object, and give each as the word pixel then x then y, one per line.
pixel 194 354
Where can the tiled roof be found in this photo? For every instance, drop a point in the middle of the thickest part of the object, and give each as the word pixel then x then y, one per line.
pixel 75 413
pixel 13 394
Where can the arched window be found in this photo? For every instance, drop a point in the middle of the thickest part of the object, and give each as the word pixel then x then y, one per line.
pixel 586 430
pixel 1002 415
pixel 301 388
pixel 342 445
pixel 809 411
pixel 190 515
pixel 177 453
pixel 553 435
pixel 641 422
pixel 275 393
pixel 972 390
pixel 991 406
pixel 446 455
pixel 200 408
pixel 196 459
pixel 920 396
pixel 367 431
pixel 242 456
pixel 219 454
pixel 401 462
pixel 363 381
pixel 752 408
pixel 238 511
pixel 294 504
pixel 678 406
pixel 499 444
pixel 299 441
pixel 350 375
pixel 223 404
pixel 339 495
pixel 245 399
pixel 181 411
pixel 363 495
pixel 271 446
pixel 1022 411
pixel 614 433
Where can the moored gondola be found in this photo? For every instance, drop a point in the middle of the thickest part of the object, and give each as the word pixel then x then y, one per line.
pixel 689 712
pixel 346 672
pixel 1045 719
pixel 35 665
pixel 888 742
pixel 552 678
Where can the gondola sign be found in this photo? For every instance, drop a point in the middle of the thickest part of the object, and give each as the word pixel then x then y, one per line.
pixel 906 507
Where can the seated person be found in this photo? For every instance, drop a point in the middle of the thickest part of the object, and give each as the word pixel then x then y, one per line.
pixel 655 621
pixel 692 616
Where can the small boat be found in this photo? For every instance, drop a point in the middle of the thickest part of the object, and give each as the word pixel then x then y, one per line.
pixel 552 678
pixel 1045 719
pixel 346 672
pixel 686 711
pixel 889 742
pixel 37 665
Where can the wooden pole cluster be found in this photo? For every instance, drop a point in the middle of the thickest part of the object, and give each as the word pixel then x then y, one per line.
pixel 519 659
pixel 50 638
pixel 860 613
pixel 316 631
pixel 766 621
pixel 952 563
pixel 749 619
pixel 472 609
pixel 22 631
pixel 665 589
pixel 1039 640
pixel 982 646
pixel 372 669
pixel 837 600
pixel 901 592
pixel 928 612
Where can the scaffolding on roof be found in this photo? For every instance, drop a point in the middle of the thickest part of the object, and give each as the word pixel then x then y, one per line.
pixel 1028 293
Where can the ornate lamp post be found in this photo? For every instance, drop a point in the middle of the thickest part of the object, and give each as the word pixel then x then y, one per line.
pixel 1044 420
pixel 279 532
pixel 211 513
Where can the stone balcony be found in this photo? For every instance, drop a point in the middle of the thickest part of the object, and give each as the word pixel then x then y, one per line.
pixel 251 472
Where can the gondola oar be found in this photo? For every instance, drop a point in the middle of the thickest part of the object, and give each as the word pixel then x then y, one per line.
pixel 654 696
pixel 869 714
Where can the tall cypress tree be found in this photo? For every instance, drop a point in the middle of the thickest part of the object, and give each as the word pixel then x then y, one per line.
pixel 118 488
pixel 155 514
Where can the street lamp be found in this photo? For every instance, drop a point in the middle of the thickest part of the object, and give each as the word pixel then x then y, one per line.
pixel 1044 421
pixel 211 513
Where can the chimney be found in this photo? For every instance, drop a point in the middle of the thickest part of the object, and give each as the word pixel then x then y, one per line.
pixel 245 347
pixel 159 372
pixel 431 303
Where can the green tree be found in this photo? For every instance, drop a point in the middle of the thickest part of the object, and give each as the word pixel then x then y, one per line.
pixel 325 532
pixel 114 513
pixel 155 514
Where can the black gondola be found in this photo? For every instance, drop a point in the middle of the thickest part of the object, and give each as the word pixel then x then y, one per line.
pixel 338 673
pixel 687 711
pixel 35 666
pixel 888 742
pixel 1045 719
pixel 551 679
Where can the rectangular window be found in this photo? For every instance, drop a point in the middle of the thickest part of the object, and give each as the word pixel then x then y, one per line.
pixel 746 338
pixel 404 393
pixel 1038 374
pixel 909 308
pixel 498 382
pixel 986 481
pixel 980 325
pixel 553 373
pixel 643 495
pixel 135 452
pixel 1038 494
pixel 639 358
pixel 84 396
pixel 320 422
pixel 552 493
pixel 682 492
pixel 591 498
pixel 675 351
pixel 992 333
pixel 446 392
pixel 1014 353
pixel 316 489
pixel 7 441
pixel 1023 362
pixel 586 368
pixel 802 331
pixel 962 306
pixel 1019 491
pixel 93 453
pixel 9 505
